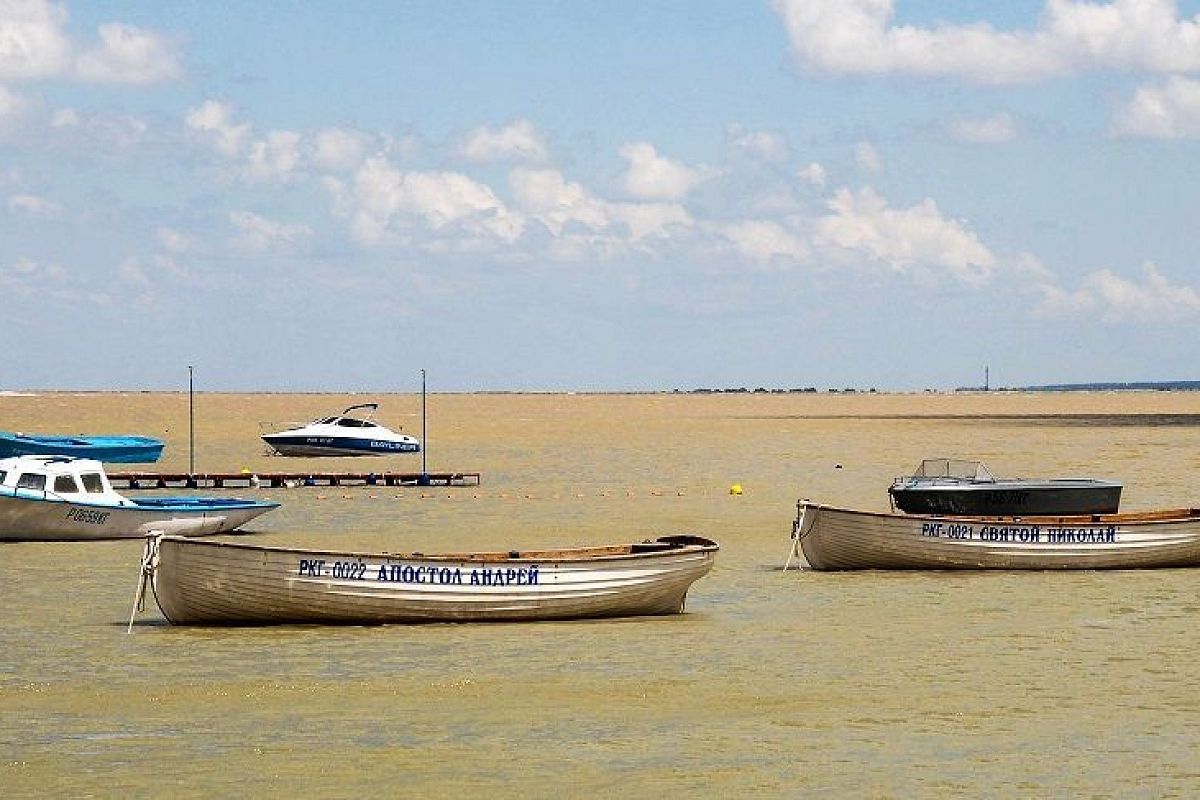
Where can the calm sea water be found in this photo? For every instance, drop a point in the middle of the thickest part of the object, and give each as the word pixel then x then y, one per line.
pixel 773 684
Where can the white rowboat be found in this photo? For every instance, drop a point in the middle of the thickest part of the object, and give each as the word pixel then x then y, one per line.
pixel 234 583
pixel 828 538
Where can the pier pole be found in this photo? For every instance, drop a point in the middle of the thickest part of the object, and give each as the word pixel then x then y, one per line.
pixel 191 424
pixel 424 481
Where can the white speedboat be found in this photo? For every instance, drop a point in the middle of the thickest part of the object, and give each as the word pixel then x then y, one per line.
pixel 342 435
pixel 55 498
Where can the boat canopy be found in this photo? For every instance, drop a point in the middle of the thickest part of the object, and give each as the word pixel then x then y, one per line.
pixel 953 468
pixel 60 477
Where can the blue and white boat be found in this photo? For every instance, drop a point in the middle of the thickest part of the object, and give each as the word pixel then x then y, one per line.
pixel 112 449
pixel 343 435
pixel 59 498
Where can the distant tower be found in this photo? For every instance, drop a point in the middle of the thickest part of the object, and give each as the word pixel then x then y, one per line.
pixel 986 384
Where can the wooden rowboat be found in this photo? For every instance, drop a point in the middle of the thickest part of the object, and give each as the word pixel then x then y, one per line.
pixel 234 583
pixel 828 538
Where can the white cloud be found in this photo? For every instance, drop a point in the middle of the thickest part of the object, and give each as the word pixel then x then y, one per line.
pixel 905 239
pixel 384 200
pixel 858 37
pixel 128 54
pixel 1116 299
pixel 117 130
pixel 213 120
pixel 518 141
pixel 996 129
pixel 32 42
pixel 275 157
pixel 340 149
pixel 27 275
pixel 654 177
pixel 765 241
pixel 866 155
pixel 34 45
pixel 813 174
pixel 130 272
pixel 560 205
pixel 12 105
pixel 278 156
pixel 64 118
pixel 259 233
pixel 650 219
pixel 1167 110
pixel 548 197
pixel 758 145
pixel 34 206
pixel 175 241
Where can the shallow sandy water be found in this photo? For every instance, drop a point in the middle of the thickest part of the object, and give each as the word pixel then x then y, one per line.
pixel 773 684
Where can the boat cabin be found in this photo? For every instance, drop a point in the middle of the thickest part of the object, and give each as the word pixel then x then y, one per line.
pixel 80 480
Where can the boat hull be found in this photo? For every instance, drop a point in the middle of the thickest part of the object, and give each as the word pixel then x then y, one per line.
pixel 110 449
pixel 226 583
pixel 1006 498
pixel 324 446
pixel 842 539
pixel 37 519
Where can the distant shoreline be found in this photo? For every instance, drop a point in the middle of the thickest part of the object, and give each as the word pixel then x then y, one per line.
pixel 1130 386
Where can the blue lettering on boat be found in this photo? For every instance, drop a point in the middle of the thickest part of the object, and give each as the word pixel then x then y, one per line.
pixel 406 573
pixel 510 576
pixel 1024 534
pixel 1101 534
pixel 381 445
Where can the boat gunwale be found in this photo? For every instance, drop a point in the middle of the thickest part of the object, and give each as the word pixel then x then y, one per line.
pixel 1152 517
pixel 685 544
pixel 152 503
pixel 1007 484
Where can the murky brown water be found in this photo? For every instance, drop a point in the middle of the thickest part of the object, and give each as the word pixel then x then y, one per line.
pixel 774 684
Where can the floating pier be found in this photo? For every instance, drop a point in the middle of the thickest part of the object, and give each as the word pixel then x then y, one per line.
pixel 229 480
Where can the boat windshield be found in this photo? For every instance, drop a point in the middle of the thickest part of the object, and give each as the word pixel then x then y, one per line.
pixel 953 468
pixel 351 422
pixel 92 483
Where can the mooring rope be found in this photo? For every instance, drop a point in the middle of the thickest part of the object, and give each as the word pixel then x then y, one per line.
pixel 798 534
pixel 145 575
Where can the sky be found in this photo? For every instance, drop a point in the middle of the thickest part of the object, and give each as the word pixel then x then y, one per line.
pixel 623 196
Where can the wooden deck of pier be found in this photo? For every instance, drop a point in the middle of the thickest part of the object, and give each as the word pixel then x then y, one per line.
pixel 229 480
